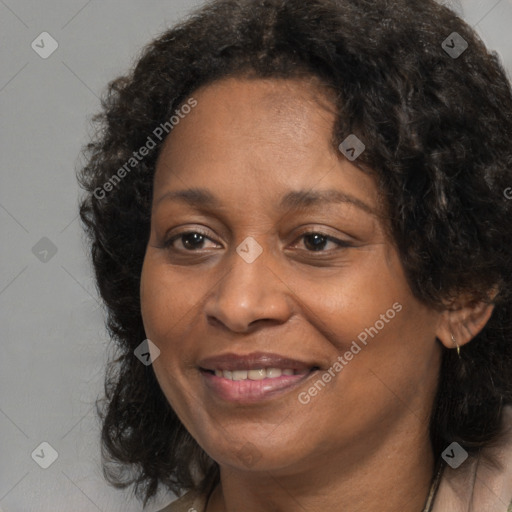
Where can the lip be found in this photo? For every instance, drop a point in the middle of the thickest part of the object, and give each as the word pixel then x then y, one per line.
pixel 245 392
pixel 253 361
pixel 253 391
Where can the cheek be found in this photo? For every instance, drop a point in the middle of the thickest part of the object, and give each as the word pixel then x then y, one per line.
pixel 370 315
pixel 152 300
pixel 345 303
pixel 171 304
pixel 166 300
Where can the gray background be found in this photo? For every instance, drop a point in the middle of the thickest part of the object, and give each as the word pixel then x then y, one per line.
pixel 54 345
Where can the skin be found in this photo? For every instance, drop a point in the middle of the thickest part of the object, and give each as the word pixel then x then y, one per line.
pixel 362 442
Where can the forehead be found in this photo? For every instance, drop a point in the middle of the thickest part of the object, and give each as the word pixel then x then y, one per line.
pixel 237 107
pixel 266 136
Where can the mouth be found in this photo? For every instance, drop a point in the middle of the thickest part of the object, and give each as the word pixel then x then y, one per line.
pixel 256 374
pixel 254 377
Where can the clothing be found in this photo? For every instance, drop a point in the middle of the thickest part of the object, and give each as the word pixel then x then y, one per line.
pixel 190 502
pixel 475 486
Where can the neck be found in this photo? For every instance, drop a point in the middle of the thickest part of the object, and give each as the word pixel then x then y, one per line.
pixel 392 475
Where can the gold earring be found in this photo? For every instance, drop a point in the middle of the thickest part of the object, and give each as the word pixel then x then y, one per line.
pixel 454 341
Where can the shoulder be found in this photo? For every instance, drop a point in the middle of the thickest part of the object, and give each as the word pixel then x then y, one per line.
pixel 483 482
pixel 192 501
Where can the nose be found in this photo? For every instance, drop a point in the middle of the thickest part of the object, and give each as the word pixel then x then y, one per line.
pixel 249 294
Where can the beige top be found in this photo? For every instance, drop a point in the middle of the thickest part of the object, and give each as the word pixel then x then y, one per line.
pixel 476 486
pixel 190 502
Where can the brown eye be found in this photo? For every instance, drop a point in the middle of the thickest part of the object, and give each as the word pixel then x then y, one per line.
pixel 315 241
pixel 190 241
pixel 193 240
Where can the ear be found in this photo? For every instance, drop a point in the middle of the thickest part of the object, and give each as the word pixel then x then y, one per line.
pixel 462 321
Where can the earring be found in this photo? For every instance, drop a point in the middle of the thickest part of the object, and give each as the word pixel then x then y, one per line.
pixel 454 341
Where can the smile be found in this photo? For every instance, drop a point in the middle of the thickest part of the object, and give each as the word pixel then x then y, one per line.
pixel 258 374
pixel 252 378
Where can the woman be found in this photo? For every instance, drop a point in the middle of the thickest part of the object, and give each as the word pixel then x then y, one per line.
pixel 299 226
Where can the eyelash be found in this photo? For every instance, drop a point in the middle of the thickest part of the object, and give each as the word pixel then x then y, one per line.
pixel 341 243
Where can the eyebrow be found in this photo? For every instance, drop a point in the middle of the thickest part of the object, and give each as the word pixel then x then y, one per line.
pixel 293 200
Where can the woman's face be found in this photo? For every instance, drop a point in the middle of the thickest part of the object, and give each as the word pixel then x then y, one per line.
pixel 286 265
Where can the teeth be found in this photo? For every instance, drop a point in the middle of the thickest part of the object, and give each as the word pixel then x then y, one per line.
pixel 259 374
pixel 274 372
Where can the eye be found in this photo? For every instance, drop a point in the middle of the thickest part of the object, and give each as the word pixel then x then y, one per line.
pixel 315 241
pixel 190 241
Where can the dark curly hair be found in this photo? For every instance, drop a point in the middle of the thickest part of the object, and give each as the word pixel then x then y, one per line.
pixel 438 132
